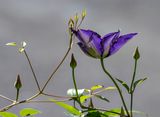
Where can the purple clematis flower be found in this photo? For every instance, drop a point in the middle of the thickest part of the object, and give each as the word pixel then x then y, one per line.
pixel 94 46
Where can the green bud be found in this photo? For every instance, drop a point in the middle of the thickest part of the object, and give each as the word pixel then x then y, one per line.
pixel 76 18
pixel 84 13
pixel 73 62
pixel 136 55
pixel 18 83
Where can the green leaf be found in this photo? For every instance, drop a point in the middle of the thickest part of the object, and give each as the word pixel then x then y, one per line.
pixel 29 111
pixel 84 97
pixel 72 92
pixel 95 114
pixel 7 114
pixel 119 110
pixel 67 107
pixel 124 84
pixel 138 82
pixel 110 114
pixel 102 98
pixel 110 88
pixel 11 44
pixel 96 87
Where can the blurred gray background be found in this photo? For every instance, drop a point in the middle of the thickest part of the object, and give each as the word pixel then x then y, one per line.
pixel 43 25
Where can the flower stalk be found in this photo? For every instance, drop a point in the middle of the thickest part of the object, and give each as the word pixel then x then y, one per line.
pixel 73 65
pixel 116 85
pixel 136 57
pixel 56 69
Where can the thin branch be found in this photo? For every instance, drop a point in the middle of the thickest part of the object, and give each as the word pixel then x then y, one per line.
pixel 17 103
pixel 4 97
pixel 131 87
pixel 57 96
pixel 51 76
pixel 116 85
pixel 46 101
pixel 8 107
pixel 33 72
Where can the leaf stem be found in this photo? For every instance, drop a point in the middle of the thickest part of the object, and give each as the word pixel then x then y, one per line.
pixel 116 85
pixel 131 87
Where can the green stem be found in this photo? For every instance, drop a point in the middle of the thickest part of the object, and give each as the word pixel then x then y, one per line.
pixel 115 83
pixel 131 87
pixel 74 82
pixel 17 95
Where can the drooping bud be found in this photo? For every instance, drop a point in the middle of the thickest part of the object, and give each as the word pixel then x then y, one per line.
pixel 73 62
pixel 18 83
pixel 136 55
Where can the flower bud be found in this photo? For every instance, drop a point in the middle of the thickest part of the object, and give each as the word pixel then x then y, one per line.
pixel 70 23
pixel 136 55
pixel 84 13
pixel 76 18
pixel 18 83
pixel 73 62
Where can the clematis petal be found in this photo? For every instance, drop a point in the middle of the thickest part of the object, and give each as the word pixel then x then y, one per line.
pixel 86 50
pixel 85 35
pixel 95 44
pixel 91 40
pixel 106 40
pixel 117 43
